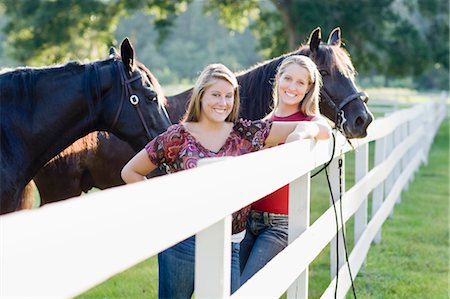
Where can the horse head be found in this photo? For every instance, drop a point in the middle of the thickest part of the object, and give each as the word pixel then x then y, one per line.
pixel 140 115
pixel 340 100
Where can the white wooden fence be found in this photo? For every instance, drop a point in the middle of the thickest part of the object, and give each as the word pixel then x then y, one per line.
pixel 66 248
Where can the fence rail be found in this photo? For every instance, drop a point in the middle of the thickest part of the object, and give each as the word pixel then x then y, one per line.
pixel 66 248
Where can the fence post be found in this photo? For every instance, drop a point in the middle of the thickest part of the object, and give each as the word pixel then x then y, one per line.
pixel 405 159
pixel 335 259
pixel 427 125
pixel 378 192
pixel 412 151
pixel 397 168
pixel 213 260
pixel 213 256
pixel 299 216
pixel 389 182
pixel 361 169
pixel 432 126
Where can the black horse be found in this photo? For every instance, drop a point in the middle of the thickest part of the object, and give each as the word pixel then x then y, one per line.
pixel 340 100
pixel 96 160
pixel 44 110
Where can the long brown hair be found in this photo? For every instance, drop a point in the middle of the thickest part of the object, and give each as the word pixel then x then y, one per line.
pixel 207 78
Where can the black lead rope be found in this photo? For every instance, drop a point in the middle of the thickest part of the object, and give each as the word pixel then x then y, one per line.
pixel 329 161
pixel 340 119
pixel 340 164
pixel 343 228
pixel 337 232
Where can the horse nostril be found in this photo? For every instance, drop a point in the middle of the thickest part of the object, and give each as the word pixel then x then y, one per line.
pixel 359 122
pixel 363 121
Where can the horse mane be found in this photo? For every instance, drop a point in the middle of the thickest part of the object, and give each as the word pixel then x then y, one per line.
pixel 71 66
pixel 255 91
pixel 157 87
pixel 5 70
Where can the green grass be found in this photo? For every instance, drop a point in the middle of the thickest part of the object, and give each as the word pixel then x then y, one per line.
pixel 139 281
pixel 411 261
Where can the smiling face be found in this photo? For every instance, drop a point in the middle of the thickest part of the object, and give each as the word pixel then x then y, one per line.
pixel 293 84
pixel 217 101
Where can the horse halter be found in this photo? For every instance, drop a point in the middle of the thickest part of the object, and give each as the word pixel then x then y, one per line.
pixel 134 99
pixel 338 108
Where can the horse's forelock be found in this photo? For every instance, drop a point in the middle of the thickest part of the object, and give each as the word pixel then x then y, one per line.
pixel 156 86
pixel 330 57
pixel 333 57
pixel 343 61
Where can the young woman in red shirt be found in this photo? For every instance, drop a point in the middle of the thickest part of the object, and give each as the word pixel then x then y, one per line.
pixel 296 97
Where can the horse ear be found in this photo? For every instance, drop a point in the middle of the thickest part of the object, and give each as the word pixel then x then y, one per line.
pixel 127 53
pixel 335 37
pixel 314 39
pixel 113 52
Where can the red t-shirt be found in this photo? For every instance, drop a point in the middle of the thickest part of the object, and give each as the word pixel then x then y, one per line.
pixel 277 201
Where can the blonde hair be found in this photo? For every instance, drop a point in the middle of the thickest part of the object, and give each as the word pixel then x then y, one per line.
pixel 310 103
pixel 207 78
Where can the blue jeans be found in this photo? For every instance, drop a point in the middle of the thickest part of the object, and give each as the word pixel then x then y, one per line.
pixel 267 235
pixel 176 269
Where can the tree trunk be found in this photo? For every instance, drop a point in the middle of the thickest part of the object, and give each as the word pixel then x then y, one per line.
pixel 285 9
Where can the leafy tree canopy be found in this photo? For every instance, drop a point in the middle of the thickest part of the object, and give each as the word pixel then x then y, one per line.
pixel 391 37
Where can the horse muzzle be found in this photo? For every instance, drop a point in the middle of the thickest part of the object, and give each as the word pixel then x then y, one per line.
pixel 355 126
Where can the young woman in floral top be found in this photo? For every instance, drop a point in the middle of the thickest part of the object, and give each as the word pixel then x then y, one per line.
pixel 210 128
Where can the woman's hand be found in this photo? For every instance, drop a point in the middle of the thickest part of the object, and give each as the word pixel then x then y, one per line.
pixel 301 131
pixel 312 129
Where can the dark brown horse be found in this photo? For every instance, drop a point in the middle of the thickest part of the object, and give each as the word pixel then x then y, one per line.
pixel 94 160
pixel 44 110
pixel 81 169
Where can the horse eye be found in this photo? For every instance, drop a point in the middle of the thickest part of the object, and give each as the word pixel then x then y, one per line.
pixel 151 96
pixel 324 72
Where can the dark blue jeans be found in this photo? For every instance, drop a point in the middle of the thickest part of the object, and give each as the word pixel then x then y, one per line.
pixel 176 269
pixel 267 235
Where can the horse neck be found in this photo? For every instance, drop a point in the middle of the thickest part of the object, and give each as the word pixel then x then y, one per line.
pixel 256 89
pixel 177 105
pixel 55 116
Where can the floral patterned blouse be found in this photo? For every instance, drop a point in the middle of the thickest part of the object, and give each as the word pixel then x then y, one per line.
pixel 179 150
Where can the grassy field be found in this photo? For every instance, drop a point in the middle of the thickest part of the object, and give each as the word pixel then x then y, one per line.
pixel 412 261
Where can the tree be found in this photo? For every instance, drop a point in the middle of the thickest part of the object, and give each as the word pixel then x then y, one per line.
pixel 394 38
pixel 194 41
pixel 391 37
pixel 47 32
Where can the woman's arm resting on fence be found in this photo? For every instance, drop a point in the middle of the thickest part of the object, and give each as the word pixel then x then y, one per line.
pixel 282 132
pixel 137 168
pixel 317 128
